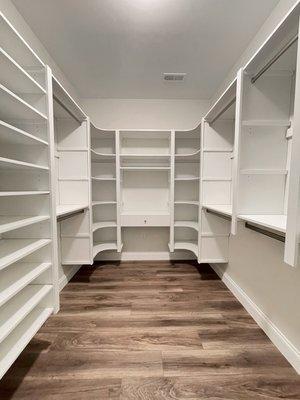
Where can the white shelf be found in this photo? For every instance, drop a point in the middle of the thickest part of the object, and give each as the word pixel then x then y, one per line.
pixel 98 153
pixel 145 168
pixel 274 222
pixel 264 172
pixel 187 245
pixel 15 343
pixel 13 250
pixel 265 122
pixel 103 178
pixel 16 78
pixel 99 247
pixel 66 209
pixel 18 276
pixel 15 136
pixel 106 224
pixel 187 178
pixel 188 202
pixel 102 157
pixel 14 312
pixel 24 193
pixel 193 154
pixel 10 223
pixel 145 212
pixel 217 150
pixel 8 163
pixel 102 203
pixel 220 208
pixel 13 107
pixel 187 224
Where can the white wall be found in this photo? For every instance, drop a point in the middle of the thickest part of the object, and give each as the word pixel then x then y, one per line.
pixel 144 113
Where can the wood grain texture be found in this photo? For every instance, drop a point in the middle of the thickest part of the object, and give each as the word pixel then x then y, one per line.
pixel 150 331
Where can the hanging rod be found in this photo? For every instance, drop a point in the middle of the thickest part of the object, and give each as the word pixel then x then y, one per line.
pixel 274 59
pixel 265 232
pixel 218 214
pixel 66 109
pixel 222 111
pixel 69 215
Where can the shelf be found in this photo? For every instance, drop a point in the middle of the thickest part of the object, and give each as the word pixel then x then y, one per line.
pixel 264 172
pixel 187 178
pixel 16 78
pixel 15 136
pixel 24 193
pixel 145 168
pixel 14 312
pixel 99 247
pixel 18 276
pixel 66 209
pixel 145 212
pixel 15 343
pixel 179 155
pixel 10 223
pixel 221 209
pixel 216 179
pixel 13 250
pixel 102 203
pixel 8 163
pixel 13 107
pixel 102 157
pixel 104 178
pixel 275 222
pixel 106 224
pixel 191 202
pixel 187 224
pixel 142 156
pixel 269 123
pixel 217 150
pixel 187 245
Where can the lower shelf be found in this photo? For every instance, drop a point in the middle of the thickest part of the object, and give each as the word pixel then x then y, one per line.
pixel 99 247
pixel 187 224
pixel 105 224
pixel 15 343
pixel 187 245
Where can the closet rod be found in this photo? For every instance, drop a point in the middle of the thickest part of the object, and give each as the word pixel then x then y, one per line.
pixel 66 109
pixel 69 215
pixel 274 59
pixel 265 232
pixel 222 111
pixel 218 214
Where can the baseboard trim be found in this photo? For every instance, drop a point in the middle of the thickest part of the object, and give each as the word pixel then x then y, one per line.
pixel 145 256
pixel 67 277
pixel 287 349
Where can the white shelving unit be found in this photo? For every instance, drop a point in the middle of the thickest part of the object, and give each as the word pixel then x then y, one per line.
pixel 28 263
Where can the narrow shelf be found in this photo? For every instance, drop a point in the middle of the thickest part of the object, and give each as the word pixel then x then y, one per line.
pixel 13 250
pixel 141 168
pixel 264 172
pixel 140 155
pixel 187 224
pixel 179 155
pixel 216 179
pixel 24 193
pixel 275 222
pixel 102 157
pixel 103 178
pixel 187 178
pixel 12 135
pixel 15 343
pixel 18 276
pixel 16 78
pixel 189 202
pixel 13 107
pixel 220 208
pixel 8 163
pixel 102 203
pixel 10 223
pixel 106 224
pixel 98 153
pixel 265 122
pixel 187 245
pixel 65 209
pixel 99 247
pixel 217 150
pixel 17 309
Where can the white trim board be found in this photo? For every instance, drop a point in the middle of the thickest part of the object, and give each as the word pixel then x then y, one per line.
pixel 145 256
pixel 286 348
pixel 63 280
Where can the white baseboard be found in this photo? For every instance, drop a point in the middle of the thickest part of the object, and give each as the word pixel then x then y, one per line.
pixel 145 256
pixel 67 277
pixel 287 349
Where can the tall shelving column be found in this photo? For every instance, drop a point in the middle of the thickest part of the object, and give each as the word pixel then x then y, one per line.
pixel 28 263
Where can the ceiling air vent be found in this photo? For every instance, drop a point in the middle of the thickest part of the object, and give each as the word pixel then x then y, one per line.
pixel 174 76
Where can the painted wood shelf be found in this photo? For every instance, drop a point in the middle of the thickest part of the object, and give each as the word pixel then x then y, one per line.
pixel 13 250
pixel 220 208
pixel 264 172
pixel 15 343
pixel 187 224
pixel 15 136
pixel 24 193
pixel 141 168
pixel 12 107
pixel 8 163
pixel 187 178
pixel 103 203
pixel 18 276
pixel 188 202
pixel 187 155
pixel 17 309
pixel 99 247
pixel 187 245
pixel 105 224
pixel 274 222
pixel 14 77
pixel 103 178
pixel 266 122
pixel 10 223
pixel 66 209
pixel 217 150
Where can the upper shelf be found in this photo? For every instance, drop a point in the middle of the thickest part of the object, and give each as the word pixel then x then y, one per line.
pixel 222 209
pixel 8 163
pixel 67 209
pixel 15 136
pixel 274 222
pixel 10 223
pixel 223 103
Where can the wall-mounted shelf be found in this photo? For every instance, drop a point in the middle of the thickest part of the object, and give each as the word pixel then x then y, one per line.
pixel 8 163
pixel 68 209
pixel 264 171
pixel 99 247
pixel 187 224
pixel 187 178
pixel 105 224
pixel 10 223
pixel 222 209
pixel 187 202
pixel 266 123
pixel 102 203
pixel 24 193
pixel 15 136
pixel 187 245
pixel 274 222
pixel 141 168
pixel 103 178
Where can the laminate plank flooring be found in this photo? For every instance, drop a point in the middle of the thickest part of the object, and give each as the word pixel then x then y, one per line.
pixel 150 331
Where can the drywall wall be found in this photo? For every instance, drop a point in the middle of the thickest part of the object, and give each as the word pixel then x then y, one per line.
pixel 145 113
pixel 15 18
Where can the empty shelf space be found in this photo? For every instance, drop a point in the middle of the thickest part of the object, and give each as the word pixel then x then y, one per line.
pixel 15 136
pixel 8 163
pixel 10 223
pixel 66 209
pixel 13 107
pixel 274 222
pixel 16 78
pixel 24 193
pixel 105 224
pixel 99 247
pixel 221 209
pixel 265 122
pixel 103 178
pixel 264 172
pixel 187 245
pixel 102 203
pixel 19 275
pixel 14 312
pixel 187 224
pixel 15 343
pixel 13 250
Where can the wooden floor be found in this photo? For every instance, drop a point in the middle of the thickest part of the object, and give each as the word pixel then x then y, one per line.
pixel 146 331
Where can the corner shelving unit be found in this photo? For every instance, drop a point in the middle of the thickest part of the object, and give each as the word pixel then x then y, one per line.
pixel 28 258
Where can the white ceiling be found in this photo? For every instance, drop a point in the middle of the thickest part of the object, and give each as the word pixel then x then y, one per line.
pixel 120 48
